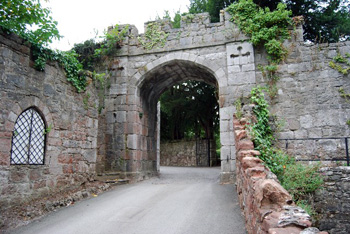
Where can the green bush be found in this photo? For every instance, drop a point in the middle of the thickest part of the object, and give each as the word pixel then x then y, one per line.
pixel 300 180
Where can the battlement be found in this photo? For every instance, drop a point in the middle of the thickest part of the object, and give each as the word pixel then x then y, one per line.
pixel 195 30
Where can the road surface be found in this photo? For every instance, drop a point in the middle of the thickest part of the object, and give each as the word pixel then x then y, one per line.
pixel 180 201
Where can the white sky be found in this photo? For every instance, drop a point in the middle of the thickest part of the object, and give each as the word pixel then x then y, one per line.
pixel 79 19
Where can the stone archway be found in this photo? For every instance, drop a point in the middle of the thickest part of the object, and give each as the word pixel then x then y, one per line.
pixel 152 84
pixel 214 53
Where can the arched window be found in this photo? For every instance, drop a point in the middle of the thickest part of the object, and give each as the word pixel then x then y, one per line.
pixel 28 139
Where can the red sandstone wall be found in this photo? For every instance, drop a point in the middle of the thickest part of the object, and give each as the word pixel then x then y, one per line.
pixel 267 206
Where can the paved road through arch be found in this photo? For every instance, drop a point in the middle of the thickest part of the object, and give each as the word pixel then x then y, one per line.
pixel 179 201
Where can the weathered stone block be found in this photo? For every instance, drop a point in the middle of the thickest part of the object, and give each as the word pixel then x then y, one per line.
pixel 250 162
pixel 133 141
pixel 18 176
pixel 245 145
pixel 241 78
pixel 118 89
pixel 270 193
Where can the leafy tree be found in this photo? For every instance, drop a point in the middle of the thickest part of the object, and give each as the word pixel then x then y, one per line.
pixel 28 19
pixel 189 109
pixel 213 7
pixel 325 20
pixel 176 21
pixel 198 6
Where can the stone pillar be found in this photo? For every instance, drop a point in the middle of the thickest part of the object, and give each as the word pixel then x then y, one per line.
pixel 241 79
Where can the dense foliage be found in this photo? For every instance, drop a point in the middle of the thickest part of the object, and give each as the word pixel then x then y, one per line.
pixel 265 27
pixel 86 53
pixel 325 20
pixel 67 59
pixel 189 109
pixel 301 180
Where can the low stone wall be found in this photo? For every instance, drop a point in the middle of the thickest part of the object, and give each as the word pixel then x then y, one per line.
pixel 266 205
pixel 332 202
pixel 187 153
pixel 178 153
pixel 71 122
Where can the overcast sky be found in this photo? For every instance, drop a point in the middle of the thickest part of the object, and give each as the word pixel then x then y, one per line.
pixel 79 19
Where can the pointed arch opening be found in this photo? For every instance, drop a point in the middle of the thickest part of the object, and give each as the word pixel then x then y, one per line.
pixel 152 85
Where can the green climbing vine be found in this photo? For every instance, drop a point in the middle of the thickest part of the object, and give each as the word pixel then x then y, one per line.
pixel 238 105
pixel 66 59
pixel 154 37
pixel 299 179
pixel 341 63
pixel 344 95
pixel 69 60
pixel 265 28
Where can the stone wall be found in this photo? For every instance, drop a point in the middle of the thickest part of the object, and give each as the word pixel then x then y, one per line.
pixel 308 103
pixel 71 127
pixel 266 205
pixel 332 202
pixel 187 153
pixel 178 153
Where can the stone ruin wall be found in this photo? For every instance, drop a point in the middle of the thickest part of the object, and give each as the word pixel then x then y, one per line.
pixel 187 153
pixel 72 141
pixel 332 202
pixel 309 104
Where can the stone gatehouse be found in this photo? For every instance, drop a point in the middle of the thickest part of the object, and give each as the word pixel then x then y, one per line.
pixel 215 53
pixel 79 143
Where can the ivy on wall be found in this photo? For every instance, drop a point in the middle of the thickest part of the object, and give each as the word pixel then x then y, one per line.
pixel 265 28
pixel 154 37
pixel 300 180
pixel 341 63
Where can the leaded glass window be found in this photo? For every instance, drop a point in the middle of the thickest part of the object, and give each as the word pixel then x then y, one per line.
pixel 28 139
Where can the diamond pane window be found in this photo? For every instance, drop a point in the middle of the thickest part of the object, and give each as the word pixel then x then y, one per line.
pixel 28 139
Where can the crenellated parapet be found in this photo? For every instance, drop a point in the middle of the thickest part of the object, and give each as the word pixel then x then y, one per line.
pixel 195 31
